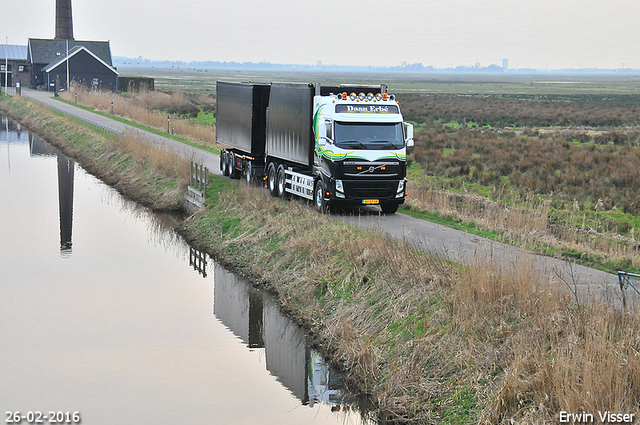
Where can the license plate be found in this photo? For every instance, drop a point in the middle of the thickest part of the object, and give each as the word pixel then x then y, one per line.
pixel 370 201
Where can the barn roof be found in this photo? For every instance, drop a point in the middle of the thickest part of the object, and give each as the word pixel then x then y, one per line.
pixel 47 51
pixel 13 52
pixel 72 52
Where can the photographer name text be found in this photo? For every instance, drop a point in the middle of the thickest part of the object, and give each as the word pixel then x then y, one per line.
pixel 599 417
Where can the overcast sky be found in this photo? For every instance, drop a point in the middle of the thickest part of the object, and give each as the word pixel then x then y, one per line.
pixel 444 33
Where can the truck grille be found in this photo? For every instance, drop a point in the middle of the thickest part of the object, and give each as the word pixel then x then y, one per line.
pixel 370 189
pixel 365 169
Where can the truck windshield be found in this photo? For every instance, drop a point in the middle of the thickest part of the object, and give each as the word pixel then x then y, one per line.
pixel 369 136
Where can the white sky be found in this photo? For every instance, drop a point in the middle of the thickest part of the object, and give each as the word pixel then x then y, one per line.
pixel 443 33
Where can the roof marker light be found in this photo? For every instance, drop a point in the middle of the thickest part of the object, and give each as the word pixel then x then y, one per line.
pixel 344 95
pixel 385 96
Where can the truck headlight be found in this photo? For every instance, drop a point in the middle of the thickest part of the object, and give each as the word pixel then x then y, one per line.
pixel 400 191
pixel 339 189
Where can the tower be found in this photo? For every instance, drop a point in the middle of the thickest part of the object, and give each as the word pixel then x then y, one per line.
pixel 64 23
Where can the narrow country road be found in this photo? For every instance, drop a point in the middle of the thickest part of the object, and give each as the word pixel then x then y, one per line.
pixel 443 241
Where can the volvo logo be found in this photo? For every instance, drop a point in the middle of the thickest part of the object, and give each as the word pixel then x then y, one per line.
pixel 372 169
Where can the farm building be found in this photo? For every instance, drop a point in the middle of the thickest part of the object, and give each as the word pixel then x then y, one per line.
pixel 89 63
pixel 17 66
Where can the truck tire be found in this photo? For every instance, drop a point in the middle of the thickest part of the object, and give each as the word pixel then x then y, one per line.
pixel 234 173
pixel 272 176
pixel 248 170
pixel 389 207
pixel 282 193
pixel 318 197
pixel 224 165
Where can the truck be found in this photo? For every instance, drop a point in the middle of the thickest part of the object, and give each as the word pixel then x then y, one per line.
pixel 332 145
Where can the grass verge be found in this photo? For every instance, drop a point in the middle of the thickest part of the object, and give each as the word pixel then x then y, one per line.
pixel 154 177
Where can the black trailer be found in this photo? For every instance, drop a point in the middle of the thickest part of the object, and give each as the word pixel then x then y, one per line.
pixel 289 124
pixel 240 124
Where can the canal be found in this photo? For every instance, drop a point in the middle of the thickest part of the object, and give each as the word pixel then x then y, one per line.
pixel 106 311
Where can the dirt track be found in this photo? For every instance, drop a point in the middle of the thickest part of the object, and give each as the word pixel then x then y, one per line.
pixel 449 243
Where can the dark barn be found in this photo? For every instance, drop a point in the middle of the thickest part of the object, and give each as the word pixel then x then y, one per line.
pixel 88 61
pixel 85 67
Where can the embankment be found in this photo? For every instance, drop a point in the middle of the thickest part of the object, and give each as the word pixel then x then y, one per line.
pixel 155 178
pixel 430 341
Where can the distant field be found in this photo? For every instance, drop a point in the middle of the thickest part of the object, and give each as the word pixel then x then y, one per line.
pixel 191 80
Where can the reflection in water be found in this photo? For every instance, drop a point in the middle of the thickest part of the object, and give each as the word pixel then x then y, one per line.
pixel 65 202
pixel 198 260
pixel 39 147
pixel 252 316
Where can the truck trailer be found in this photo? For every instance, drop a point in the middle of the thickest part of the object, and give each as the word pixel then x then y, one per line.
pixel 332 145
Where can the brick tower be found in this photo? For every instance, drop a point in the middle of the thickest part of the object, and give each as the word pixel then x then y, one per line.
pixel 64 23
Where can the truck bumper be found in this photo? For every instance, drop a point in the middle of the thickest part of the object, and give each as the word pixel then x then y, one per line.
pixel 368 192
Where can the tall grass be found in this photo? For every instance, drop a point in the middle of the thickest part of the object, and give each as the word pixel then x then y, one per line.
pixel 144 108
pixel 431 342
pixel 154 177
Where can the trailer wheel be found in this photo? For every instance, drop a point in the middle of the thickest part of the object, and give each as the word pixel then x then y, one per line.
pixel 389 207
pixel 248 169
pixel 223 164
pixel 233 171
pixel 318 197
pixel 271 180
pixel 282 193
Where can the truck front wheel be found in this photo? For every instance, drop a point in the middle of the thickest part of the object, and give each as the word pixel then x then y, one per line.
pixel 271 180
pixel 389 207
pixel 318 196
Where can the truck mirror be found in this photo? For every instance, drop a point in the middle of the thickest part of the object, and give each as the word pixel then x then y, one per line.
pixel 408 131
pixel 328 130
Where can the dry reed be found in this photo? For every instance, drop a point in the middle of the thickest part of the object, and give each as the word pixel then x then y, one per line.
pixel 143 108
pixel 526 222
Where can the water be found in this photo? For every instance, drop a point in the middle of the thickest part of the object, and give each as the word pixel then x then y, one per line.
pixel 103 312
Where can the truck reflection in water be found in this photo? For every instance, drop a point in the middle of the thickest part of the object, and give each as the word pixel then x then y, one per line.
pixel 252 316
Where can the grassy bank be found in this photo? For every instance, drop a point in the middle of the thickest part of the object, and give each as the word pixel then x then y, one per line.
pixel 430 341
pixel 153 177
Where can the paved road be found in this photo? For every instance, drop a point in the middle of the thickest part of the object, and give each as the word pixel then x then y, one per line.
pixel 449 243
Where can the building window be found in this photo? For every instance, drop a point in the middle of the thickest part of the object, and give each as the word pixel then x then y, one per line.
pixel 22 68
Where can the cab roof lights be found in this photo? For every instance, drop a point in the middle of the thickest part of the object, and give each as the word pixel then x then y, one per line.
pixel 369 97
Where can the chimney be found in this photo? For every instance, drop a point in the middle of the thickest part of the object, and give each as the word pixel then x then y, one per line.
pixel 64 23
